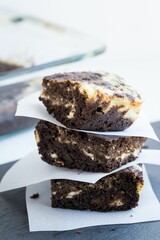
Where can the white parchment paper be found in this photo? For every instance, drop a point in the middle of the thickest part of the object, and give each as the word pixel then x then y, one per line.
pixel 30 106
pixel 44 218
pixel 31 169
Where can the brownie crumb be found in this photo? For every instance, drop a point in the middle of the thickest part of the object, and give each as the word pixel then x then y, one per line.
pixel 113 229
pixel 79 232
pixel 35 195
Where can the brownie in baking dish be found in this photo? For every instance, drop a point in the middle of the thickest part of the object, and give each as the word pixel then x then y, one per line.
pixel 89 152
pixel 91 100
pixel 9 97
pixel 118 191
pixel 6 67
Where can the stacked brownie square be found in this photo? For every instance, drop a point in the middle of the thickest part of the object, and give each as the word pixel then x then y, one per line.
pixel 84 102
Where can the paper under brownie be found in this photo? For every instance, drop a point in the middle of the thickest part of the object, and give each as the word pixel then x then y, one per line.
pixel 91 101
pixel 67 148
pixel 118 191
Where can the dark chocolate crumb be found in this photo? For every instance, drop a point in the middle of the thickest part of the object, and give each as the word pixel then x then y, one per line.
pixel 35 195
pixel 79 232
pixel 113 229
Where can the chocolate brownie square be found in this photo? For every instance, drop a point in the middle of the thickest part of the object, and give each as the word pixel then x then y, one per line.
pixel 89 152
pixel 118 191
pixel 91 100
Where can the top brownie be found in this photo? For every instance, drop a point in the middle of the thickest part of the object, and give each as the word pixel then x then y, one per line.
pixel 91 100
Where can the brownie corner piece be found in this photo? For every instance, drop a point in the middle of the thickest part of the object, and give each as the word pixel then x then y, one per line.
pixel 116 192
pixel 91 100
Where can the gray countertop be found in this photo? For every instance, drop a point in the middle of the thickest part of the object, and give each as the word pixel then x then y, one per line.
pixel 14 221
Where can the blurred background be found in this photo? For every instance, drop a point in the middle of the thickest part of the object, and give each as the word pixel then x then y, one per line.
pixel 129 28
pixel 46 36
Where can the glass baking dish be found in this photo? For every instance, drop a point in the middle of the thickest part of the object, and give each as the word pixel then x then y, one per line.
pixel 28 46
pixel 32 44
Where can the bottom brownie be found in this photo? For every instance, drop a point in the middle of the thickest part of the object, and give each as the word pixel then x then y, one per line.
pixel 118 191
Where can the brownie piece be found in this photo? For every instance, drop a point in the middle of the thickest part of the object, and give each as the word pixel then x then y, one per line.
pixel 89 152
pixel 118 191
pixel 91 101
pixel 6 67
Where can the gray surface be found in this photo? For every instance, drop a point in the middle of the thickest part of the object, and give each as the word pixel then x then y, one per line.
pixel 14 222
